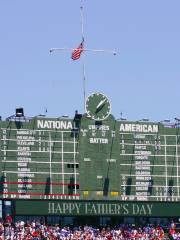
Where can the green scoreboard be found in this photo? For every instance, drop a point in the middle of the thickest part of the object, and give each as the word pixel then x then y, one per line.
pixel 90 157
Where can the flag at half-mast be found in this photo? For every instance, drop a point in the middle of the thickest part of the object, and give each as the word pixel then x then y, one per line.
pixel 77 51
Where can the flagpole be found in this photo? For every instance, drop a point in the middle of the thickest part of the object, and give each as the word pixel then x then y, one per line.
pixel 84 87
pixel 84 74
pixel 76 54
pixel 82 24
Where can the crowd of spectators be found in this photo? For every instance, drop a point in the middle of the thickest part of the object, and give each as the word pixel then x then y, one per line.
pixel 36 230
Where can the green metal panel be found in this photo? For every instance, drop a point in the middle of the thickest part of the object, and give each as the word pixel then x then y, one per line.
pixel 102 208
pixel 84 159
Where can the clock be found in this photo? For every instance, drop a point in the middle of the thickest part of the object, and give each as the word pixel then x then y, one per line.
pixel 97 106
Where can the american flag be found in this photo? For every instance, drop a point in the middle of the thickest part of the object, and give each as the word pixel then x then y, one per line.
pixel 77 51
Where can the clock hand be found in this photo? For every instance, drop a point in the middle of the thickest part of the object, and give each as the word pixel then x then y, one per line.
pixel 100 104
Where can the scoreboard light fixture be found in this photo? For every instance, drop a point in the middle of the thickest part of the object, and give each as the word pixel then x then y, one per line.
pixel 177 119
pixel 77 116
pixel 122 119
pixel 167 120
pixel 19 112
pixel 143 120
pixel 65 116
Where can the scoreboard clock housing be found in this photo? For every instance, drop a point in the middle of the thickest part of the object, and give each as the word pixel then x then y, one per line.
pixel 98 106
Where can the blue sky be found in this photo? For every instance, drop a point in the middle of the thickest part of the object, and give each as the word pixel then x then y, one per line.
pixel 142 81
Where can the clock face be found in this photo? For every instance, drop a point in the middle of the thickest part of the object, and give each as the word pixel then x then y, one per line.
pixel 98 106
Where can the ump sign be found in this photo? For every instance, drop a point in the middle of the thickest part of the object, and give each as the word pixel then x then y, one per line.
pixel 95 208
